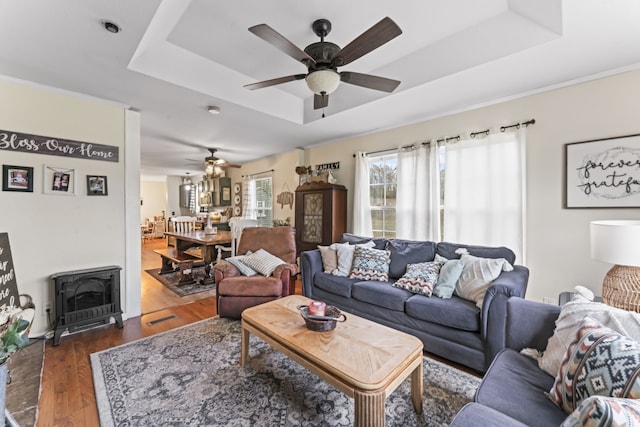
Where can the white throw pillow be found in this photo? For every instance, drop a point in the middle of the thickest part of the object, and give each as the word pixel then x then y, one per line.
pixel 477 275
pixel 329 259
pixel 262 262
pixel 345 252
pixel 571 316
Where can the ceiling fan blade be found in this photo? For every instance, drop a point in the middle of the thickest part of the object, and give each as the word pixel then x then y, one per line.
pixel 277 40
pixel 320 101
pixel 273 82
pixel 228 165
pixel 373 38
pixel 369 81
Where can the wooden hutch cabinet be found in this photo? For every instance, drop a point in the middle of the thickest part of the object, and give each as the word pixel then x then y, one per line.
pixel 321 214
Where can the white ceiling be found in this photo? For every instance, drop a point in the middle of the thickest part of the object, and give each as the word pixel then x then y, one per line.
pixel 173 58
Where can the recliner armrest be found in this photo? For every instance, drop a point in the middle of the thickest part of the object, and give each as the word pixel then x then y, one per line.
pixel 224 269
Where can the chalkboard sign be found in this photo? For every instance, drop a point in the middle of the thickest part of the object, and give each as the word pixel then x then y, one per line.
pixel 8 286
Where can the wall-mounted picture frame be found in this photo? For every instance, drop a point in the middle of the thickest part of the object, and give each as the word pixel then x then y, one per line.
pixel 97 185
pixel 603 173
pixel 59 181
pixel 17 178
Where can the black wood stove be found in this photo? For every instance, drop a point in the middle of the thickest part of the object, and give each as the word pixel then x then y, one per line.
pixel 85 298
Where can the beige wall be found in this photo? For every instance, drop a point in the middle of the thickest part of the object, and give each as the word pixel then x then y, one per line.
pixel 557 239
pixel 53 233
pixel 154 199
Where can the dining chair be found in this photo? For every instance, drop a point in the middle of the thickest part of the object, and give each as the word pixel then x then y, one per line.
pixel 184 224
pixel 236 225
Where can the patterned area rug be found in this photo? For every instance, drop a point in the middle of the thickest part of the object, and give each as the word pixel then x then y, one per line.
pixel 191 376
pixel 170 280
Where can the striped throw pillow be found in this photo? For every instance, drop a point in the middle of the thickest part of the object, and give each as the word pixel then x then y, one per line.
pixel 263 262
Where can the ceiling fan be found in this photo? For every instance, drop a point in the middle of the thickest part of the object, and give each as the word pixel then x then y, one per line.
pixel 212 162
pixel 322 59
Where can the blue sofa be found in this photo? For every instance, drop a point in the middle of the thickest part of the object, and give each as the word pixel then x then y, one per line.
pixel 453 328
pixel 512 392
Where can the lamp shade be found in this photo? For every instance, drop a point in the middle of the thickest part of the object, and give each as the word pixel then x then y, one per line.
pixel 616 242
pixel 323 81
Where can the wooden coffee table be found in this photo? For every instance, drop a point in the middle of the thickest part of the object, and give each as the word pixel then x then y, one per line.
pixel 365 360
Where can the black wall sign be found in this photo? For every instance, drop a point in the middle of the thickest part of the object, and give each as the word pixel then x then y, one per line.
pixel 27 143
pixel 8 286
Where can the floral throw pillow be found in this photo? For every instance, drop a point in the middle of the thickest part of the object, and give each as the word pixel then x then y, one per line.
pixel 599 362
pixel 370 264
pixel 420 278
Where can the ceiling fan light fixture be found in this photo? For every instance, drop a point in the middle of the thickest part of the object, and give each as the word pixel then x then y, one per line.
pixel 209 169
pixel 323 81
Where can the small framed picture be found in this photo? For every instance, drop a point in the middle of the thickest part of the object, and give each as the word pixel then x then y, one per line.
pixel 59 181
pixel 96 185
pixel 17 178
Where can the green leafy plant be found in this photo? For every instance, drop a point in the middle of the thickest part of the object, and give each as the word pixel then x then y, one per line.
pixel 13 338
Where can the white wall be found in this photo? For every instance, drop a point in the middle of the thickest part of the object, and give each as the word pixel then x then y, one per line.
pixel 53 233
pixel 558 239
pixel 154 200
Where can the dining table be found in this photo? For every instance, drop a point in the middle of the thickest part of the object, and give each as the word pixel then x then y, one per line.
pixel 207 242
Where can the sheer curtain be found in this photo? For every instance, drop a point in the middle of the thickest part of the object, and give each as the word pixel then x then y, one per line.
pixel 249 197
pixel 361 208
pixel 418 193
pixel 484 198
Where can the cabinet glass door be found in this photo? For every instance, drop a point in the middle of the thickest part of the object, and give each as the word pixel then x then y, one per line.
pixel 312 218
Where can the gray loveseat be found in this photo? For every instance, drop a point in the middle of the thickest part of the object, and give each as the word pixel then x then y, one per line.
pixel 453 328
pixel 512 392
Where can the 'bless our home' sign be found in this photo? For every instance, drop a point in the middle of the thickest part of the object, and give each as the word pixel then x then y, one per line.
pixel 37 144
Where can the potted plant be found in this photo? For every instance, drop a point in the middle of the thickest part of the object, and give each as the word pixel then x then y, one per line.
pixel 14 336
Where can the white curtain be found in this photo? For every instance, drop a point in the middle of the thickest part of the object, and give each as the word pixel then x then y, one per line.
pixel 249 197
pixel 418 193
pixel 484 191
pixel 361 207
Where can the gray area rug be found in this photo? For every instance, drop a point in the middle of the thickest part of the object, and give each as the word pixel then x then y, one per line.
pixel 191 376
pixel 170 280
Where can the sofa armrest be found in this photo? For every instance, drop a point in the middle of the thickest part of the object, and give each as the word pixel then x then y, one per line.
pixel 310 264
pixel 529 324
pixel 494 307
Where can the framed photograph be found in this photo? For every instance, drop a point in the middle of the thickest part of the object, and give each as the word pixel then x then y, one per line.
pixel 96 185
pixel 603 173
pixel 60 181
pixel 17 178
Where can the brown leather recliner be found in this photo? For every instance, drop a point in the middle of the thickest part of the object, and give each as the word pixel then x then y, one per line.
pixel 236 292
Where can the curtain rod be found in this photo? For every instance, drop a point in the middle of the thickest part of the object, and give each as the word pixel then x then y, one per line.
pixel 457 137
pixel 259 173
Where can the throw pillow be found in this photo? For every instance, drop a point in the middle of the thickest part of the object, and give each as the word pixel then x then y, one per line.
pixel 449 274
pixel 344 252
pixel 370 264
pixel 602 411
pixel 599 361
pixel 263 262
pixel 329 259
pixel 477 275
pixel 420 278
pixel 571 315
pixel 244 269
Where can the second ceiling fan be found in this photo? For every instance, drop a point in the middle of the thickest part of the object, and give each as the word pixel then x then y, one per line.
pixel 322 59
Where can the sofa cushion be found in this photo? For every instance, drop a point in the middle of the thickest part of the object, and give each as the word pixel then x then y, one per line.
pixel 515 386
pixel 571 316
pixel 455 312
pixel 448 250
pixel 337 285
pixel 405 252
pixel 420 278
pixel 603 411
pixel 329 258
pixel 599 361
pixel 344 252
pixel 477 275
pixel 449 274
pixel 382 294
pixel 379 242
pixel 370 264
pixel 474 414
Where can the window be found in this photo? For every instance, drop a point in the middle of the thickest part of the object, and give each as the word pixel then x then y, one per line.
pixel 383 171
pixel 258 200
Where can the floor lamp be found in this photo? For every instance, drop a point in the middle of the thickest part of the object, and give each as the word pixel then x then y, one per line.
pixel 618 242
